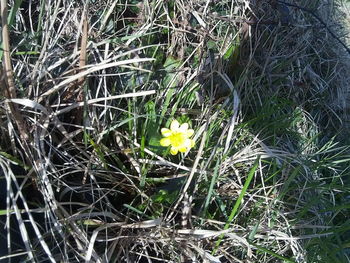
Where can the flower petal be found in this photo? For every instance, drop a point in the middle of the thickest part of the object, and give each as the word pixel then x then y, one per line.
pixel 183 149
pixel 174 150
pixel 165 142
pixel 184 127
pixel 187 144
pixel 174 126
pixel 192 143
pixel 189 132
pixel 165 132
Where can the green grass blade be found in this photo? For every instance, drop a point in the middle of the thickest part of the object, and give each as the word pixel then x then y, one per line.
pixel 211 188
pixel 11 18
pixel 265 250
pixel 239 200
pixel 13 11
pixel 241 195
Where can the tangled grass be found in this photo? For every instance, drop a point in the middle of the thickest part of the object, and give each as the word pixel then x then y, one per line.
pixel 87 86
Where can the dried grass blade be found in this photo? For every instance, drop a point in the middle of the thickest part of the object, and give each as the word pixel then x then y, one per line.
pixel 89 71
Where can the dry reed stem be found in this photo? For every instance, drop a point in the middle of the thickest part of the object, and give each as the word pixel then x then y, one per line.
pixel 83 52
pixel 82 63
pixel 8 81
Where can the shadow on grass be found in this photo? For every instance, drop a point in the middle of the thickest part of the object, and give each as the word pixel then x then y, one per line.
pixel 296 102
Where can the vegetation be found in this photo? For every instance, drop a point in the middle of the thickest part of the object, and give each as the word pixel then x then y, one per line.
pixel 87 87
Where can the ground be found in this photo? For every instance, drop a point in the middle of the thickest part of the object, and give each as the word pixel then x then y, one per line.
pixel 94 169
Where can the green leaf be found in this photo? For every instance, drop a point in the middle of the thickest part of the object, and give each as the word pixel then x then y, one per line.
pixel 15 160
pixel 253 232
pixel 211 44
pixel 164 197
pixel 136 210
pixel 4 212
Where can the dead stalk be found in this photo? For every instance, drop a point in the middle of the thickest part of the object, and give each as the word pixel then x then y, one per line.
pixel 7 80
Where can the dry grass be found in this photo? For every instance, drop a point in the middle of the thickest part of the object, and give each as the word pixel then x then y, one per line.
pixel 263 83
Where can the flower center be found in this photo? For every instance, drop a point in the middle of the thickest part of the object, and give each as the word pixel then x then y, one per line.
pixel 177 139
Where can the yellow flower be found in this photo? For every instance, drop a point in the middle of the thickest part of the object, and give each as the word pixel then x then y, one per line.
pixel 178 136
